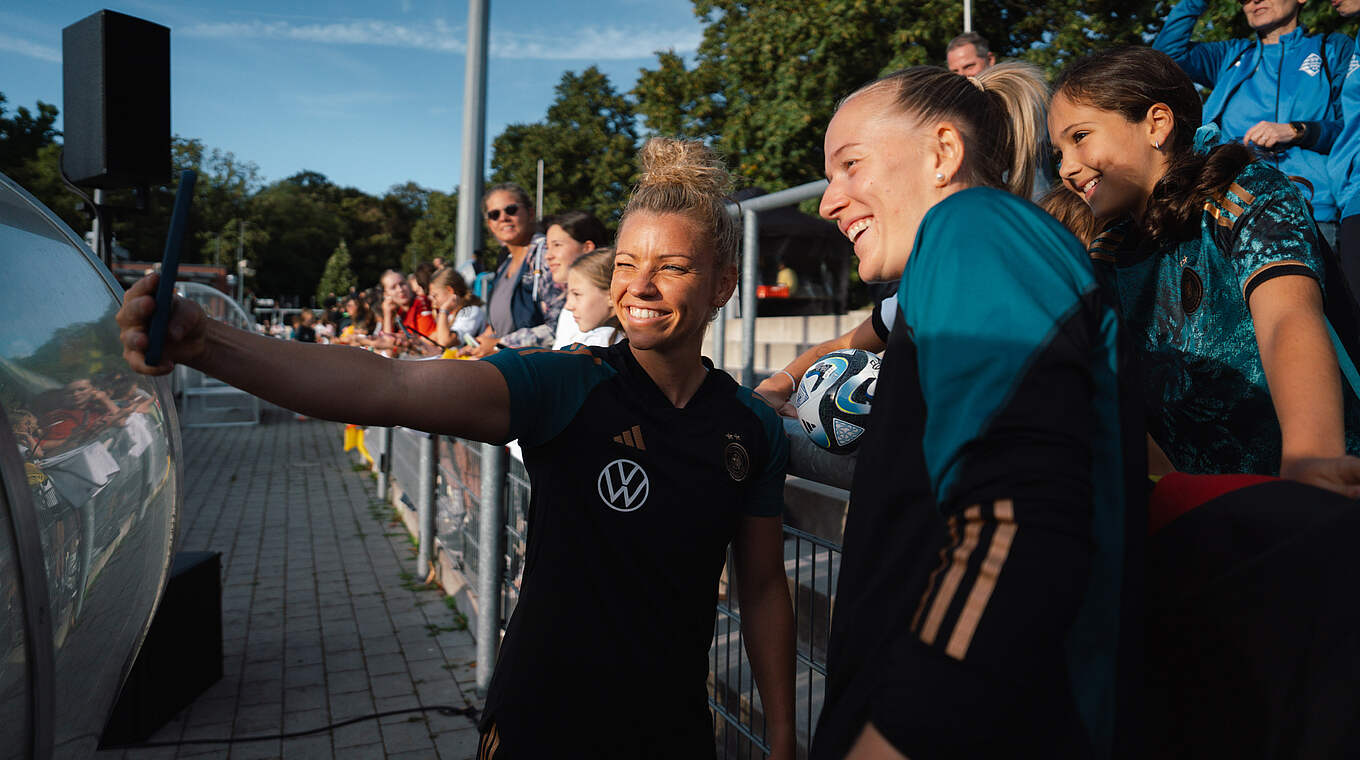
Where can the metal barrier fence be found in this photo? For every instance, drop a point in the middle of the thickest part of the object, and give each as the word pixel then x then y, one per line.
pixel 470 496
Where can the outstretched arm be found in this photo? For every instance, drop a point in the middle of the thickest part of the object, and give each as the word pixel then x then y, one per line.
pixel 767 624
pixel 1200 60
pixel 778 389
pixel 373 391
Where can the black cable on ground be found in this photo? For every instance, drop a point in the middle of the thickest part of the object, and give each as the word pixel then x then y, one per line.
pixel 468 712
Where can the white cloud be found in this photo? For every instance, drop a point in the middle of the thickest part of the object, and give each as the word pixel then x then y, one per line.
pixel 605 43
pixel 30 49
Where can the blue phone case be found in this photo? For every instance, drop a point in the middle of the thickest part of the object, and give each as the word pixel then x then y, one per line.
pixel 165 291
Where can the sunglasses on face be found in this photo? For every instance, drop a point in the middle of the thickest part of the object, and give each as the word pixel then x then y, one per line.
pixel 510 210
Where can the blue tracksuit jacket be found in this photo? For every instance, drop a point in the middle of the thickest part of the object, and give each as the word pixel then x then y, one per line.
pixel 1312 70
pixel 1344 161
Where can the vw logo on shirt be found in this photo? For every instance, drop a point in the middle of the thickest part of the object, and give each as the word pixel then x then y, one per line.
pixel 623 485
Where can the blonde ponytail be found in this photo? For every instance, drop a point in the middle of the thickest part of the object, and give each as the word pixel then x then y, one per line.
pixel 688 178
pixel 1000 113
pixel 1023 95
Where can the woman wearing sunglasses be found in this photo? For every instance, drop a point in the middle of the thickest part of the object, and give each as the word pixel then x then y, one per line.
pixel 1279 93
pixel 525 301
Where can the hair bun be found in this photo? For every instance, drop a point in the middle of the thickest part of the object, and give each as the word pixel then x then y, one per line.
pixel 687 164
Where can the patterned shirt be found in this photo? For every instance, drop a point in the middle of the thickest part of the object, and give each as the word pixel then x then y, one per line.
pixel 1186 308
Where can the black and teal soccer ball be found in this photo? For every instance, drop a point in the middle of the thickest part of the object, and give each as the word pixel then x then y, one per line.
pixel 834 397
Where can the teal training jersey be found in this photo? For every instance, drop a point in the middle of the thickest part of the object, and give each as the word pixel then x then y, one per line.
pixel 1186 308
pixel 632 506
pixel 988 600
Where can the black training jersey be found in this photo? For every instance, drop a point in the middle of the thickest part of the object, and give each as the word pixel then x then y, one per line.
pixel 986 606
pixel 632 506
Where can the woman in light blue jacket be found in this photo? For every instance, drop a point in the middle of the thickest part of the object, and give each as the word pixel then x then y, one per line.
pixel 1279 92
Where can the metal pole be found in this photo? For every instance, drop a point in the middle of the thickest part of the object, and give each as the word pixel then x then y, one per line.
pixel 490 554
pixel 384 461
pixel 102 232
pixel 429 455
pixel 720 340
pixel 240 262
pixel 538 206
pixel 967 15
pixel 750 265
pixel 474 134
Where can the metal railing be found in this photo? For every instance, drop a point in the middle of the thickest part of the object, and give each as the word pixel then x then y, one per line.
pixel 470 496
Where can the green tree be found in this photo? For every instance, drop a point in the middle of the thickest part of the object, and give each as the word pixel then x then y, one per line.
pixel 23 135
pixel 767 76
pixel 435 234
pixel 300 218
pixel 337 277
pixel 587 142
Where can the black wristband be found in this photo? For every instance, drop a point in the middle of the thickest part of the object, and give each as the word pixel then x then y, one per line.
pixel 1301 128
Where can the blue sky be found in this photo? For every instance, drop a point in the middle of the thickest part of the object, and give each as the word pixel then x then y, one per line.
pixel 368 93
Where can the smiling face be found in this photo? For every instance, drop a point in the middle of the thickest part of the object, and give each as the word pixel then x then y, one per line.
pixel 882 181
pixel 1109 161
pixel 562 251
pixel 510 229
pixel 588 303
pixel 665 285
pixel 1266 15
pixel 396 288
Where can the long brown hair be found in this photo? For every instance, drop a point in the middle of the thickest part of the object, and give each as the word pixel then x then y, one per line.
pixel 1129 81
pixel 999 112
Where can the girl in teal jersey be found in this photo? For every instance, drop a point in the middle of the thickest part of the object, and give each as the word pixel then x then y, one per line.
pixel 1220 278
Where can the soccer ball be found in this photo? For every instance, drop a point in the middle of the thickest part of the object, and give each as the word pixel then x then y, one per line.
pixel 834 397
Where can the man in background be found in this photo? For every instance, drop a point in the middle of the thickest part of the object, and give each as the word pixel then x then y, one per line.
pixel 969 55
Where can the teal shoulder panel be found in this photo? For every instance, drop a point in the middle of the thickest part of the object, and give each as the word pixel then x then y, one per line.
pixel 767 492
pixel 989 278
pixel 547 388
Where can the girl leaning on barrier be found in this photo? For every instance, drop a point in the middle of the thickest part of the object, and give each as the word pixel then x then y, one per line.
pixel 645 463
pixel 984 606
pixel 1245 336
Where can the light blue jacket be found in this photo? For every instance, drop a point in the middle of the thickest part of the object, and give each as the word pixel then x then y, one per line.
pixel 1344 161
pixel 1313 68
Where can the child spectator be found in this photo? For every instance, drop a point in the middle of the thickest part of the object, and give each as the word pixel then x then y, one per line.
pixel 460 315
pixel 588 299
pixel 304 326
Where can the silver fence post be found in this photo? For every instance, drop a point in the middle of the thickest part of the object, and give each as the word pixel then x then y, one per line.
pixel 469 228
pixel 750 272
pixel 429 453
pixel 385 463
pixel 490 555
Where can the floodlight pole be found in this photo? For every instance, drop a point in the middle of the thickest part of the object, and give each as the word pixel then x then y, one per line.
pixel 474 134
pixel 967 15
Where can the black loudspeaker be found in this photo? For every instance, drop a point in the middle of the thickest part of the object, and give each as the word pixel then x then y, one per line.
pixel 116 101
pixel 182 655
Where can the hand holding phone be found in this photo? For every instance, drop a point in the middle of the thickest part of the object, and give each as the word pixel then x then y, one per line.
pixel 165 291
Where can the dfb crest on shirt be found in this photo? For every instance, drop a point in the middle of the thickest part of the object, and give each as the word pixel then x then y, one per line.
pixel 623 485
pixel 1192 291
pixel 737 460
pixel 1311 65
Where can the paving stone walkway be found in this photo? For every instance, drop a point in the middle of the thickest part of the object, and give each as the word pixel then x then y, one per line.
pixel 322 619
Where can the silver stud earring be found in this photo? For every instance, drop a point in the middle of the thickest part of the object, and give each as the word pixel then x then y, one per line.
pixel 1157 145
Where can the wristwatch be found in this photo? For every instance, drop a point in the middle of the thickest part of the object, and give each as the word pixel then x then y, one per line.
pixel 1300 130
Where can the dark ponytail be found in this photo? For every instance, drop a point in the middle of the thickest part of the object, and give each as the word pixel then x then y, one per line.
pixel 1129 81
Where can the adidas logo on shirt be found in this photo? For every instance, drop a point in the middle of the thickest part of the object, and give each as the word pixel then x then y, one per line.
pixel 1355 64
pixel 632 438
